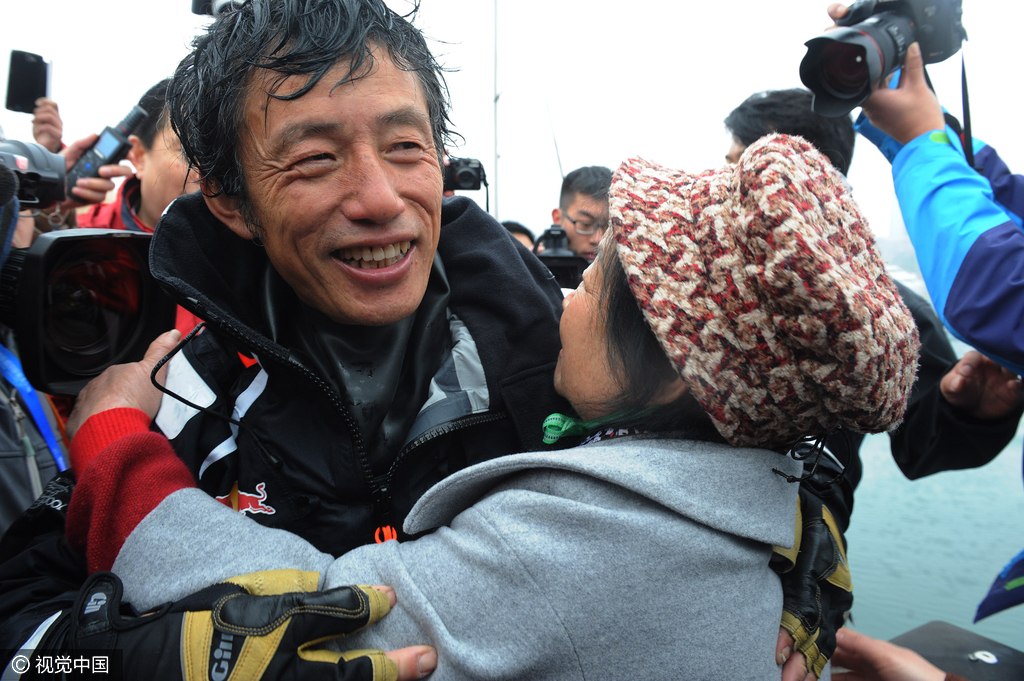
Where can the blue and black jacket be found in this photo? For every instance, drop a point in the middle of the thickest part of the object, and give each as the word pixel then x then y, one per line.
pixel 965 227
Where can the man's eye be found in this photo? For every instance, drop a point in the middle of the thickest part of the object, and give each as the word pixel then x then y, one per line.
pixel 407 146
pixel 316 157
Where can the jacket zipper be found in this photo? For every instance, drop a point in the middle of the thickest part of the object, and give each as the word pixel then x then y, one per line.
pixel 379 487
pixel 357 439
pixel 384 482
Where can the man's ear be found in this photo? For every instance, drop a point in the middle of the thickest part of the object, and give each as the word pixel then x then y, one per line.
pixel 556 216
pixel 226 209
pixel 137 154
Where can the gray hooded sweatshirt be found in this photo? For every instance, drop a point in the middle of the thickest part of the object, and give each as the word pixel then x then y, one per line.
pixel 630 558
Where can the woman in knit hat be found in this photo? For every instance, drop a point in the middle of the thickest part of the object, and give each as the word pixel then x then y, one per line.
pixel 729 315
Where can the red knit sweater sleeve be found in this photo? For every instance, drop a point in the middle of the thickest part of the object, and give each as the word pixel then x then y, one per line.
pixel 119 487
pixel 100 430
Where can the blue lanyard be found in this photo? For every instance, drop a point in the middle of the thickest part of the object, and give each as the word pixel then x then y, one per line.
pixel 10 367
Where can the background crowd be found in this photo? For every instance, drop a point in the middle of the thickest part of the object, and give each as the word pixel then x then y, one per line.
pixel 983 421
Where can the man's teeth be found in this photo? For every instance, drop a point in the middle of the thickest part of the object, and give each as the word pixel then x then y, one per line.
pixel 379 256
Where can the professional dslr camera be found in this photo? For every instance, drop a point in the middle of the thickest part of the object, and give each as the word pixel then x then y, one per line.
pixel 79 300
pixel 843 65
pixel 564 264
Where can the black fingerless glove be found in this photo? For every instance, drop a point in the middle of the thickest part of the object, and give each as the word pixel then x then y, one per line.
pixel 816 585
pixel 258 626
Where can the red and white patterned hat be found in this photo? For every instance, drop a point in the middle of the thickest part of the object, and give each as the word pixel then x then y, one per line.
pixel 763 285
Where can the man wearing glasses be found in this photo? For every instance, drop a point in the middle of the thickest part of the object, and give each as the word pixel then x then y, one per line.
pixel 583 208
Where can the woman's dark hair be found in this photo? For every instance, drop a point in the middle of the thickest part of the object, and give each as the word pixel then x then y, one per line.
pixel 642 366
pixel 286 37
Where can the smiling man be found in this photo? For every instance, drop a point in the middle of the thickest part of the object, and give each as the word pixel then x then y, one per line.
pixel 391 338
pixel 386 357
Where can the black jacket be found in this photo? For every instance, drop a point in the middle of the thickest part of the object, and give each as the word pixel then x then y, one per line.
pixel 295 444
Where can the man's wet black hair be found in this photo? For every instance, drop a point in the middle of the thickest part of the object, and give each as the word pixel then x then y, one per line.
pixel 155 104
pixel 592 181
pixel 641 365
pixel 286 38
pixel 789 112
pixel 518 228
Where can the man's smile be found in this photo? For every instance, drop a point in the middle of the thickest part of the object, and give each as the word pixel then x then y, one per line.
pixel 369 258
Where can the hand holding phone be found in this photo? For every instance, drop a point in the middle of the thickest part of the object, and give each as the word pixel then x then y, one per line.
pixel 111 146
pixel 27 80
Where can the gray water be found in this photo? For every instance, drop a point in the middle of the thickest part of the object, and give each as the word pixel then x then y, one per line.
pixel 929 549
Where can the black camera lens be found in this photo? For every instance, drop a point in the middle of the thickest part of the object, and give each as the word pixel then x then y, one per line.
pixel 467 178
pixel 844 69
pixel 92 307
pixel 463 173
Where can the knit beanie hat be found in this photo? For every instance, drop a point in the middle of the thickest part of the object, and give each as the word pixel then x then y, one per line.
pixel 763 285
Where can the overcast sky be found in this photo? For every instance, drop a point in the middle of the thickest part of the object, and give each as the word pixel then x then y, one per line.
pixel 606 79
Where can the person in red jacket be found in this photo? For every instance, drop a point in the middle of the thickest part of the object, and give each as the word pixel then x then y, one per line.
pixel 161 173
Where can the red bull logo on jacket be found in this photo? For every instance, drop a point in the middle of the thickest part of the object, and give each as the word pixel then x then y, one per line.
pixel 245 502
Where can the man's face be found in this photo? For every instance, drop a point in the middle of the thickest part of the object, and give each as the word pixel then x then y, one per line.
pixel 735 151
pixel 346 186
pixel 163 174
pixel 587 214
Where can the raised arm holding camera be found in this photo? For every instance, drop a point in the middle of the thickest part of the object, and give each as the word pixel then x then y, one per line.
pixel 963 222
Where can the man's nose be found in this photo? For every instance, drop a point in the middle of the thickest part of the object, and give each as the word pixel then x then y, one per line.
pixel 371 185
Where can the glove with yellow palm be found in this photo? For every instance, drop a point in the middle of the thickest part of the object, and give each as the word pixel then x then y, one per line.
pixel 259 626
pixel 816 585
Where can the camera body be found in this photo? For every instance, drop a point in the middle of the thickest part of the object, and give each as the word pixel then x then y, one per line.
pixel 564 264
pixel 111 146
pixel 79 301
pixel 464 173
pixel 38 171
pixel 843 65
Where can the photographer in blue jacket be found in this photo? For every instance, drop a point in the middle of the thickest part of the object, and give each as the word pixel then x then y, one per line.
pixel 964 224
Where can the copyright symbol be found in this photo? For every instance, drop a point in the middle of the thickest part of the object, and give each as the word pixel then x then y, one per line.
pixel 20 664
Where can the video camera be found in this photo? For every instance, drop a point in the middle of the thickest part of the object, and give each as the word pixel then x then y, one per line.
pixel 79 300
pixel 565 265
pixel 35 175
pixel 843 65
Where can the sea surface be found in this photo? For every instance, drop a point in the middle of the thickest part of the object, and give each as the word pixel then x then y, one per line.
pixel 929 549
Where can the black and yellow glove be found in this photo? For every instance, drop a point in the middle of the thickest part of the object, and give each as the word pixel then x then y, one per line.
pixel 816 586
pixel 259 626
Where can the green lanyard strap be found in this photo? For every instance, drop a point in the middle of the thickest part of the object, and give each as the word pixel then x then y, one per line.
pixel 558 425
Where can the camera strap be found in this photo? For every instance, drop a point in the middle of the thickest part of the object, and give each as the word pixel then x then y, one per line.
pixel 964 133
pixel 965 136
pixel 11 369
